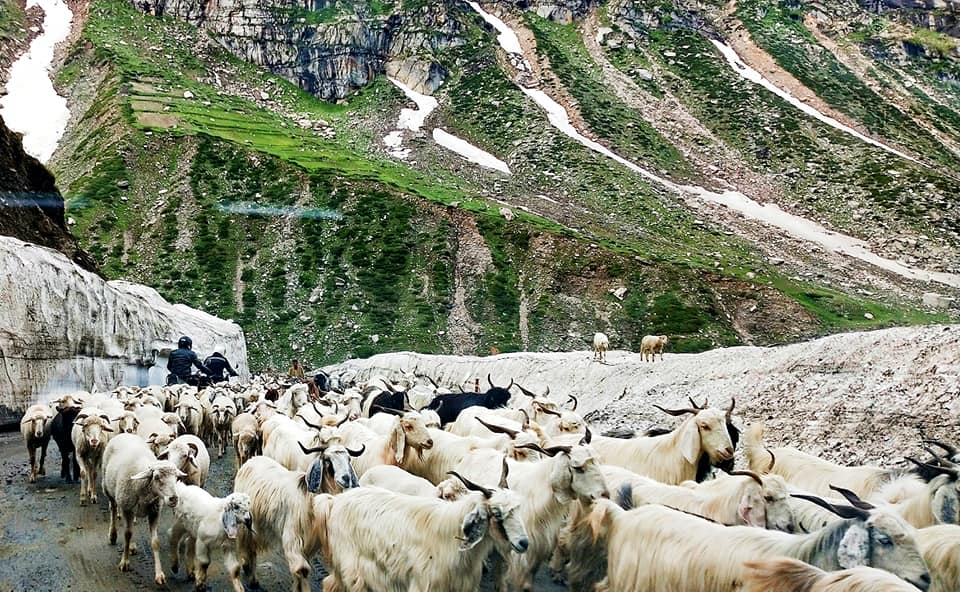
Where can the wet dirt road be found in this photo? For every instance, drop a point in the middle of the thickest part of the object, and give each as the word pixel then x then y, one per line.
pixel 49 543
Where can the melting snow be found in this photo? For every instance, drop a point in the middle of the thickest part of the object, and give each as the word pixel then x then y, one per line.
pixel 771 214
pixel 413 120
pixel 32 106
pixel 752 75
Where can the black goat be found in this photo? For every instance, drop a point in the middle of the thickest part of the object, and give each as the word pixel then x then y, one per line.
pixel 389 399
pixel 448 407
pixel 60 429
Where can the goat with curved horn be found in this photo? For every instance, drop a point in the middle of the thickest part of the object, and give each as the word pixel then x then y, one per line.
pixel 490 381
pixel 948 448
pixel 548 411
pixel 750 474
pixel 953 472
pixel 356 453
pixel 678 412
pixel 311 450
pixel 852 498
pixel 498 429
pixel 487 493
pixel 587 436
pixel 312 425
pixel 733 403
pixel 526 392
pixel 842 511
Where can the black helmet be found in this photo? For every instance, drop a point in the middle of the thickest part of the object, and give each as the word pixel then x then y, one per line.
pixel 185 342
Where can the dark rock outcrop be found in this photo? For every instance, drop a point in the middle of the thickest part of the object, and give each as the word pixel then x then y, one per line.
pixel 31 207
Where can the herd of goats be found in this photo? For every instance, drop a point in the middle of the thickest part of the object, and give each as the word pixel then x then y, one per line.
pixel 404 485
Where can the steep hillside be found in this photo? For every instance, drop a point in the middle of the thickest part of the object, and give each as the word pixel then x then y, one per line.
pixel 230 188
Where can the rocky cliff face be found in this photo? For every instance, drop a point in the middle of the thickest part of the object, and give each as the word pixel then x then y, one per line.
pixel 328 48
pixel 64 328
pixel 31 207
pixel 938 15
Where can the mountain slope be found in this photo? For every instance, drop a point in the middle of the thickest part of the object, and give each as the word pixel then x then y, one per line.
pixel 233 190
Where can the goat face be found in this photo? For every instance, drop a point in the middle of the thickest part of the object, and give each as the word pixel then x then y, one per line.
pixel 714 437
pixel 337 460
pixel 776 500
pixel 586 482
pixel 415 431
pixel 571 423
pixel 236 512
pixel 887 542
pixel 128 423
pixel 163 478
pixel 506 523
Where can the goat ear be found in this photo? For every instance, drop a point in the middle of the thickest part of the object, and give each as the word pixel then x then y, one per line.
pixel 229 520
pixel 561 480
pixel 145 474
pixel 854 547
pixel 690 442
pixel 946 503
pixel 475 525
pixel 398 442
pixel 749 515
pixel 315 476
pixel 597 520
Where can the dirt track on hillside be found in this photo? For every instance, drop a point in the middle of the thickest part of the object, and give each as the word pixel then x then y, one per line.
pixel 49 543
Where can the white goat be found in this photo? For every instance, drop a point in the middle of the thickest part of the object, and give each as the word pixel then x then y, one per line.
pixel 940 546
pixel 671 458
pixel 408 438
pixel 205 523
pixel 246 439
pixel 601 343
pixel 653 547
pixel 789 575
pixel 650 345
pixel 137 484
pixel 811 473
pixel 399 481
pixel 90 433
pixel 287 515
pixel 35 429
pixel 381 540
pixel 189 454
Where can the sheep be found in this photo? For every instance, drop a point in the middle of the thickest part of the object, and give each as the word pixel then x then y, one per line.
pixel 397 480
pixel 137 484
pixel 205 523
pixel 601 343
pixel 673 457
pixel 155 432
pixel 940 546
pixel 811 473
pixel 783 574
pixel 125 423
pixel 68 407
pixel 740 499
pixel 189 454
pixel 650 345
pixel 223 413
pixel 191 414
pixel 407 436
pixel 287 514
pixel 35 428
pixel 90 434
pixel 381 540
pixel 651 545
pixel 246 440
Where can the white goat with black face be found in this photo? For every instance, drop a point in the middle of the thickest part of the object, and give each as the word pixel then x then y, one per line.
pixel 672 457
pixel 366 525
pixel 206 523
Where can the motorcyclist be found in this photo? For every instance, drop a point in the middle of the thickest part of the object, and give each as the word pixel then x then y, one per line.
pixel 218 363
pixel 182 360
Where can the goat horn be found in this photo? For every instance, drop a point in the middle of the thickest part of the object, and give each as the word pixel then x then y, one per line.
pixel 526 392
pixel 311 450
pixel 490 381
pixel 388 385
pixel 498 429
pixel 693 403
pixel 314 404
pixel 842 511
pixel 852 497
pixel 555 450
pixel 430 378
pixel 575 402
pixel 951 471
pixel 773 459
pixel 357 452
pixel 549 411
pixel 342 421
pixel 533 446
pixel 510 386
pixel 934 454
pixel 460 386
pixel 505 469
pixel 676 412
pixel 387 410
pixel 733 403
pixel 526 418
pixel 750 474
pixel 948 448
pixel 587 436
pixel 471 485
pixel 546 393
pixel 314 426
